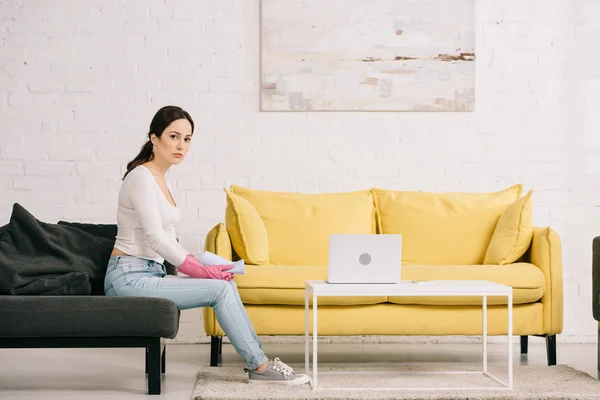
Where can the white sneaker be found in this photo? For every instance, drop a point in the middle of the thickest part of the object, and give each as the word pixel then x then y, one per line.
pixel 277 372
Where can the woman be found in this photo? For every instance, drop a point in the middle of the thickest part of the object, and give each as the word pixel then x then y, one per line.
pixel 146 218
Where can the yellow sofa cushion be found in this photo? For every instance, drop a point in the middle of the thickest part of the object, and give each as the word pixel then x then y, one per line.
pixel 298 225
pixel 246 229
pixel 513 233
pixel 284 284
pixel 279 276
pixel 443 228
pixel 526 279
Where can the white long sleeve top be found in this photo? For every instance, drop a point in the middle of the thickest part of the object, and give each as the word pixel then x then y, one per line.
pixel 146 220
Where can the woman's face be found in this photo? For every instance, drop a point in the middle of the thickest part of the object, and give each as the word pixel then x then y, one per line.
pixel 174 143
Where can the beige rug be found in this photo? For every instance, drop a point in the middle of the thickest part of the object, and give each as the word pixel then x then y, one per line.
pixel 530 382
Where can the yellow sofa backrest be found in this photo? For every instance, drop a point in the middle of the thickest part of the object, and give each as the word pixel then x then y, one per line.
pixel 298 225
pixel 442 228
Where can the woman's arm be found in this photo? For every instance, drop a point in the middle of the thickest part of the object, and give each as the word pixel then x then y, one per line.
pixel 173 238
pixel 141 191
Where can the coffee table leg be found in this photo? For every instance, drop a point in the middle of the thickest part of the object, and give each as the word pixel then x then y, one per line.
pixel 314 340
pixel 485 356
pixel 306 337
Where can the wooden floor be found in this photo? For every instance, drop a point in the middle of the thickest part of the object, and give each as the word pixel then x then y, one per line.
pixel 52 374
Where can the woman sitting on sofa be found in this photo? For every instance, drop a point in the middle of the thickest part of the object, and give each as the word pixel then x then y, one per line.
pixel 146 218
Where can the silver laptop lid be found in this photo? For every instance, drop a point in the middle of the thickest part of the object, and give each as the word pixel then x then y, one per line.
pixel 370 258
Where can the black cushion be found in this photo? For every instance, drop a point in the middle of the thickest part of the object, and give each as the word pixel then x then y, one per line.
pixel 87 316
pixel 71 283
pixel 41 258
pixel 107 231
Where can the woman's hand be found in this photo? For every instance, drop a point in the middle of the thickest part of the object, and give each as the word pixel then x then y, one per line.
pixel 195 269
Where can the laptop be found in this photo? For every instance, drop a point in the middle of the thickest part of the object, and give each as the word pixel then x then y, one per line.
pixel 370 258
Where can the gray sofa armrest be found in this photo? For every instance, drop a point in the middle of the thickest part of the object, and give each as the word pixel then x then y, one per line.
pixel 596 278
pixel 87 316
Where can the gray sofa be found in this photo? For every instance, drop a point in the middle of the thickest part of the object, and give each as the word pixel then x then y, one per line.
pixel 62 314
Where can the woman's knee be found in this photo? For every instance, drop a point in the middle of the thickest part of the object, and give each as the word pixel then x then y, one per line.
pixel 223 288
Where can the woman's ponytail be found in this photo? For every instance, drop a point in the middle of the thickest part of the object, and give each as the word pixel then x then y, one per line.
pixel 144 156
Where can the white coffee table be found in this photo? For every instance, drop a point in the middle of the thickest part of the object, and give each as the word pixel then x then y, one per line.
pixel 408 288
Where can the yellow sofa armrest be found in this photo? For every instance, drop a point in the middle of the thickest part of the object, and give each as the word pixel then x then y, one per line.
pixel 217 242
pixel 546 254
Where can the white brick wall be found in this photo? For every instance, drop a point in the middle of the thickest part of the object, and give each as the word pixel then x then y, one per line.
pixel 80 81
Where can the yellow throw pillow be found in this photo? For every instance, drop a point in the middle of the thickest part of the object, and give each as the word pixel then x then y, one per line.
pixel 298 225
pixel 449 228
pixel 513 233
pixel 247 230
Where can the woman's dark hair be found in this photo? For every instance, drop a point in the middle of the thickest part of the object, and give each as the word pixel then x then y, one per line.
pixel 161 120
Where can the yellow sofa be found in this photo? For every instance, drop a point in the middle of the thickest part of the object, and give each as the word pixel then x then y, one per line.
pixel 283 239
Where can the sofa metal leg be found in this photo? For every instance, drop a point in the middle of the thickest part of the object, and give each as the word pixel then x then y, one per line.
pixel 215 344
pixel 220 348
pixel 551 349
pixel 163 359
pixel 524 344
pixel 153 364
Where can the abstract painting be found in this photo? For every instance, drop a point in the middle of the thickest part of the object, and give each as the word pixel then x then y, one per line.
pixel 374 55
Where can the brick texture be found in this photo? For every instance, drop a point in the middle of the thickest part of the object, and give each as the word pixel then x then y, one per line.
pixel 80 81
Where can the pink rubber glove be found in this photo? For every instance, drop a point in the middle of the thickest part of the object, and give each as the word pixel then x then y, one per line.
pixel 195 269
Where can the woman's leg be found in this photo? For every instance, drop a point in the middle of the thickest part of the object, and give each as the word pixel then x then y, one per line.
pixel 133 280
pixel 132 276
pixel 244 312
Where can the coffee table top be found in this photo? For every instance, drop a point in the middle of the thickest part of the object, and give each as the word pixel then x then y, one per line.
pixel 409 288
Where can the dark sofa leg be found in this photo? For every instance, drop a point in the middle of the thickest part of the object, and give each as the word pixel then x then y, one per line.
pixel 215 345
pixel 163 360
pixel 524 343
pixel 153 365
pixel 551 349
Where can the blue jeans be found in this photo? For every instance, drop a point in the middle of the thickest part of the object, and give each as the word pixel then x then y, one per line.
pixel 134 276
